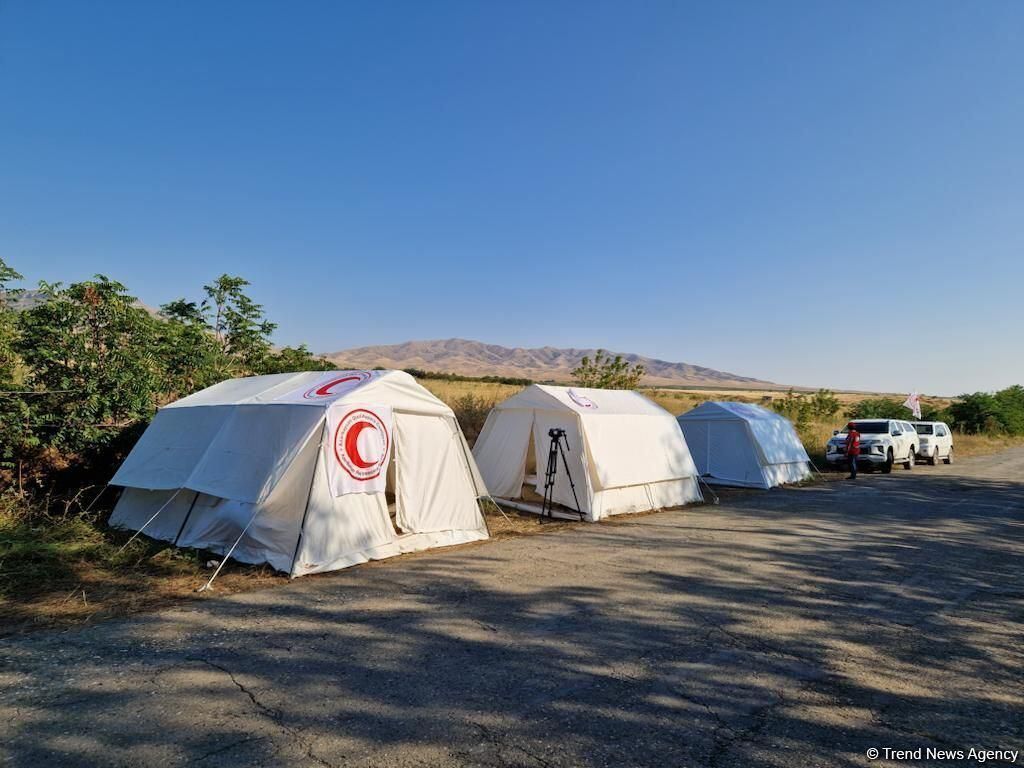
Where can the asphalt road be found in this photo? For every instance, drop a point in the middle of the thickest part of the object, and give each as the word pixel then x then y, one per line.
pixel 794 627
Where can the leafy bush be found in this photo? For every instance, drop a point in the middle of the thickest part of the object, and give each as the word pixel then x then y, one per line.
pixel 996 413
pixel 82 372
pixel 888 408
pixel 471 411
pixel 801 409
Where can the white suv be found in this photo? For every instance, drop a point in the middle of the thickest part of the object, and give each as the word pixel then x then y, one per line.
pixel 936 441
pixel 883 442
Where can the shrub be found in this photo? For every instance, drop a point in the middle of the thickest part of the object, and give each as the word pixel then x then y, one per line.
pixel 887 408
pixel 802 409
pixel 996 413
pixel 471 411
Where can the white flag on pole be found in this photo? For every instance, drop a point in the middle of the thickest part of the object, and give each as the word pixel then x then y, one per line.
pixel 913 402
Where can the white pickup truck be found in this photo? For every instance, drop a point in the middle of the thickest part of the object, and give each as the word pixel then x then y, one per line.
pixel 936 441
pixel 883 442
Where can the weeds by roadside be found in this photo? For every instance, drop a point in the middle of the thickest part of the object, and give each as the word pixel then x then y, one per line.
pixel 471 411
pixel 59 563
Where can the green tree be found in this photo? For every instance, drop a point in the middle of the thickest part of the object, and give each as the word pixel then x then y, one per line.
pixel 189 355
pixel 887 408
pixel 8 326
pixel 16 435
pixel 999 412
pixel 607 372
pixel 90 356
pixel 824 404
pixel 794 407
pixel 239 324
pixel 298 358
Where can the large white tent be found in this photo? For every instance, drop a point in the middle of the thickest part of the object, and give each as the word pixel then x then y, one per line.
pixel 744 445
pixel 626 454
pixel 298 469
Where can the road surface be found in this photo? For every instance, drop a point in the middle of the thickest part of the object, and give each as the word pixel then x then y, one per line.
pixel 787 628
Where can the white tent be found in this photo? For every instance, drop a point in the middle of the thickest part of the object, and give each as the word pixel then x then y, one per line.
pixel 744 445
pixel 626 454
pixel 298 468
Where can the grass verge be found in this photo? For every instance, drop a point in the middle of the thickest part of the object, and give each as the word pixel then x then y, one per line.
pixel 65 567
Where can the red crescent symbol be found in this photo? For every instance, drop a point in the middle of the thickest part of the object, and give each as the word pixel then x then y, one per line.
pixel 325 390
pixel 352 444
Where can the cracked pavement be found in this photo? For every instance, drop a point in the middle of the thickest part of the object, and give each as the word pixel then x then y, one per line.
pixel 787 628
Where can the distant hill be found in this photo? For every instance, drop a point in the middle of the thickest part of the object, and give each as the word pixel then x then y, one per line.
pixel 474 358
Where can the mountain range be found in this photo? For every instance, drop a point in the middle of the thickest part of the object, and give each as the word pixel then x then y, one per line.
pixel 475 358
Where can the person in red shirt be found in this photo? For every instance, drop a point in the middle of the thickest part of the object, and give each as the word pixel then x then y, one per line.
pixel 852 448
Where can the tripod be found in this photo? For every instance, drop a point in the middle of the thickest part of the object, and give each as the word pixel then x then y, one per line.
pixel 554 451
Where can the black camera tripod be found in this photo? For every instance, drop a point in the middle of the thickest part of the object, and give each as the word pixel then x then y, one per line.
pixel 555 450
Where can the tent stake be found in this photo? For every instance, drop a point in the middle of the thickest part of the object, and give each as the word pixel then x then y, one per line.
pixel 220 565
pixel 713 494
pixel 309 496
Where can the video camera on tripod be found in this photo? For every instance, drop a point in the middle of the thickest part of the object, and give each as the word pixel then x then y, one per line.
pixel 555 449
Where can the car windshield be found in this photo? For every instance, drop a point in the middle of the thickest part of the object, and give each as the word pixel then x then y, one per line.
pixel 872 427
pixel 923 429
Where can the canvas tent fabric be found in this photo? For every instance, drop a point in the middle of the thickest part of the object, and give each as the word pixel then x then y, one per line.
pixel 626 454
pixel 252 455
pixel 742 444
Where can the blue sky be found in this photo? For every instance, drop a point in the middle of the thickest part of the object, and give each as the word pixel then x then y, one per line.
pixel 814 193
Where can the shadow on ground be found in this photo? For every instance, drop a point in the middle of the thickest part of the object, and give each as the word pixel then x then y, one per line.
pixel 790 627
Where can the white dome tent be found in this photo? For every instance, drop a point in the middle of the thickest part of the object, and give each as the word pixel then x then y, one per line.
pixel 295 470
pixel 744 445
pixel 626 454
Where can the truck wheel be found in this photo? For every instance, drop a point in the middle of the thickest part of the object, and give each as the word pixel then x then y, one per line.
pixel 949 456
pixel 909 463
pixel 887 467
pixel 934 458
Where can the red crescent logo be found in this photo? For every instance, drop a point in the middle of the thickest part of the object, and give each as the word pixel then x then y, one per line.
pixel 325 390
pixel 352 444
pixel 346 444
pixel 352 379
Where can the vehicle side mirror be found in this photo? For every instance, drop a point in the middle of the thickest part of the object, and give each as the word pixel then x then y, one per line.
pixel 894 433
pixel 835 432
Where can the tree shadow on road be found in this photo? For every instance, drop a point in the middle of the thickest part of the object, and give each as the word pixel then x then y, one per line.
pixel 815 622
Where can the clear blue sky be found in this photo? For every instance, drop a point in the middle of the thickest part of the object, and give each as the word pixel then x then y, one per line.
pixel 814 193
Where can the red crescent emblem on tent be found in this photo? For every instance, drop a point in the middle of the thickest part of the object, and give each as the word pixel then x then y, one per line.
pixel 325 390
pixel 352 444
pixel 337 386
pixel 346 444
